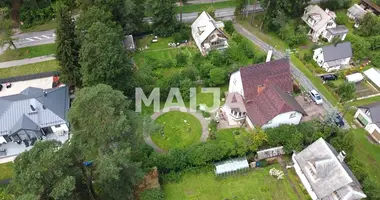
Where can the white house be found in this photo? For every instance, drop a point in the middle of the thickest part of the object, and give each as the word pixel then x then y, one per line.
pixel 259 95
pixel 34 114
pixel 356 13
pixel 208 34
pixel 369 117
pixel 333 57
pixel 373 76
pixel 324 173
pixel 322 23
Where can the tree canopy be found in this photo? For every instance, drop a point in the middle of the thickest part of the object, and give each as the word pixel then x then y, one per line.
pixel 164 16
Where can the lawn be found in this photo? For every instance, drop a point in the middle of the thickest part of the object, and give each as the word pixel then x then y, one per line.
pixel 50 25
pixel 256 184
pixel 188 8
pixel 367 153
pixel 179 130
pixel 47 66
pixel 28 52
pixel 228 134
pixel 6 170
pixel 365 101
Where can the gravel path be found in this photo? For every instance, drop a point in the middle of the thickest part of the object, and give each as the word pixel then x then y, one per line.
pixel 199 116
pixel 16 63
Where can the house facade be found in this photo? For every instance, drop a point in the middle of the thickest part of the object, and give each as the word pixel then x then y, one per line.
pixel 322 24
pixel 324 173
pixel 369 117
pixel 34 114
pixel 333 57
pixel 259 95
pixel 208 34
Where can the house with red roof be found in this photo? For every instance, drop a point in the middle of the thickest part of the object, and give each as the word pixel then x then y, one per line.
pixel 260 95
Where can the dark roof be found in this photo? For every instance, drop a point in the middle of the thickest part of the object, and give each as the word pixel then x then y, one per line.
pixel 340 29
pixel 15 111
pixel 374 109
pixel 265 89
pixel 337 51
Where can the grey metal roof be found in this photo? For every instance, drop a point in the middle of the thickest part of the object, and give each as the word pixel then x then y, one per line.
pixel 337 51
pixel 325 172
pixel 374 110
pixel 357 11
pixel 51 107
pixel 338 30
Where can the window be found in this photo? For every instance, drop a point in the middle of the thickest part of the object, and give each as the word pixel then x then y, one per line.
pixel 293 115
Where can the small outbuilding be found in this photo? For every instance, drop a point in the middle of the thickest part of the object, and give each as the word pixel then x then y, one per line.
pixel 270 153
pixel 129 43
pixel 373 75
pixel 231 166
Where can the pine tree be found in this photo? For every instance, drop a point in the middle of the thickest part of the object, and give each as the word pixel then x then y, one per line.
pixel 67 46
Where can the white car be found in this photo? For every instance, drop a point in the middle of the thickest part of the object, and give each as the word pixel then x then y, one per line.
pixel 316 97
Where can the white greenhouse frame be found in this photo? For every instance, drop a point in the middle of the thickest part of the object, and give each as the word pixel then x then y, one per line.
pixel 231 166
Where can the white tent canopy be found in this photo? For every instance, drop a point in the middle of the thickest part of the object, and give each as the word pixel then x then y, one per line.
pixel 373 75
pixel 354 78
pixel 230 166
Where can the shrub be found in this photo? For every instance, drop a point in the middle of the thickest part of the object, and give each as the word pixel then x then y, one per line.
pixel 152 194
pixel 229 27
pixel 181 59
pixel 296 89
pixel 307 57
pixel 177 37
pixel 205 114
pixel 236 132
pixel 237 37
pixel 217 76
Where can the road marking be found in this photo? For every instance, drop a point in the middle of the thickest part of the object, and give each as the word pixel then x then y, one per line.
pixel 29 39
pixel 38 38
pixel 53 35
pixel 45 36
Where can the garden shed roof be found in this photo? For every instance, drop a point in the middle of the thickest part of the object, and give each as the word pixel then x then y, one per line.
pixel 357 11
pixel 231 165
pixel 373 75
pixel 269 153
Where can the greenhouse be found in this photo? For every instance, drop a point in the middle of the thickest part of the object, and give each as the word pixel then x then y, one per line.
pixel 231 166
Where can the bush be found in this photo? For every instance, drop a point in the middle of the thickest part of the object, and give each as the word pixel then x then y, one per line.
pixel 181 59
pixel 217 76
pixel 229 27
pixel 205 114
pixel 307 57
pixel 296 89
pixel 247 49
pixel 237 37
pixel 152 194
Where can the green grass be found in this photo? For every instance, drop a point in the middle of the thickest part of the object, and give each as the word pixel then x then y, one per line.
pixel 365 101
pixel 28 52
pixel 177 132
pixel 50 25
pixel 6 170
pixel 35 68
pixel 367 153
pixel 255 184
pixel 205 6
pixel 228 134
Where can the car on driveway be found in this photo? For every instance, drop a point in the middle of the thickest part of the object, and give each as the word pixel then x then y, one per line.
pixel 316 97
pixel 339 120
pixel 329 77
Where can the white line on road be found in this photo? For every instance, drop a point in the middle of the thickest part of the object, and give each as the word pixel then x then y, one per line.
pixel 38 38
pixel 29 39
pixel 53 35
pixel 45 36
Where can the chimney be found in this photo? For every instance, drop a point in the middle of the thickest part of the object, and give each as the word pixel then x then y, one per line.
pixel 269 55
pixel 341 156
pixel 260 88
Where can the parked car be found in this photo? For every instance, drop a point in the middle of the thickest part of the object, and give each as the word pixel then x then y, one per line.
pixel 316 97
pixel 329 77
pixel 339 120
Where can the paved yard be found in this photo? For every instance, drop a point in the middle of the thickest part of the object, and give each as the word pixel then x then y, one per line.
pixel 313 110
pixel 17 87
pixel 364 89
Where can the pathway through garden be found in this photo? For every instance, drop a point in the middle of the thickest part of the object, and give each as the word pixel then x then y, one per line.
pixel 199 116
pixel 283 165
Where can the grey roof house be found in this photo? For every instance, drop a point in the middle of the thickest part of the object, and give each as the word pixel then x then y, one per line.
pixel 356 13
pixel 31 115
pixel 322 24
pixel 324 173
pixel 369 117
pixel 333 57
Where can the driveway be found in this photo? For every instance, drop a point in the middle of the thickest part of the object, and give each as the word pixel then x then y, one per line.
pixel 312 110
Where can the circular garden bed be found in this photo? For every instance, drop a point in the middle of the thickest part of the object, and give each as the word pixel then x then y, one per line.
pixel 177 130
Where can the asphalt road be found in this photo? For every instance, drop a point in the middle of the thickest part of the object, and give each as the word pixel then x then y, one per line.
pixel 297 74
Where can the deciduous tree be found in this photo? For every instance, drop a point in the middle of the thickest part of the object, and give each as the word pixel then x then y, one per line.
pixel 164 16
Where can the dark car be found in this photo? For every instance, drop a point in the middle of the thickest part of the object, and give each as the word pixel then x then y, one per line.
pixel 329 77
pixel 339 120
